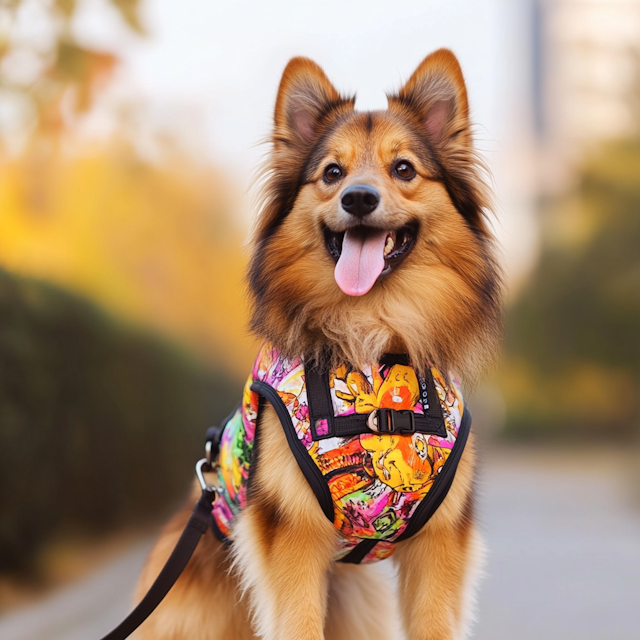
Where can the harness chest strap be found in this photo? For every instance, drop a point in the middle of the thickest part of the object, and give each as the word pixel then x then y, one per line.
pixel 425 509
pixel 379 447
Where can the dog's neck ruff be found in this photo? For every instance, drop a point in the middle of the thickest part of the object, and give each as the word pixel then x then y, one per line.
pixel 377 487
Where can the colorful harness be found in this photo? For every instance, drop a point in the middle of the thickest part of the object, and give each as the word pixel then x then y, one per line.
pixel 379 446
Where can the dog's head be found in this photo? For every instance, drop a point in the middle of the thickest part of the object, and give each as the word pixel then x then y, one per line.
pixel 372 237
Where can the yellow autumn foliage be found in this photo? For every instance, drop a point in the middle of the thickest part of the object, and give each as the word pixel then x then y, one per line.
pixel 157 243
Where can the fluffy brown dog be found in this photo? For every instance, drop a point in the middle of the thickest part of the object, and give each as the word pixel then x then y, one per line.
pixel 372 240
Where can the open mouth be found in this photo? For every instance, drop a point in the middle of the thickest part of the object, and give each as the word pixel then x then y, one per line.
pixel 364 254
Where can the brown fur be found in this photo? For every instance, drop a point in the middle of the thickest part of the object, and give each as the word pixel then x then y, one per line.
pixel 441 306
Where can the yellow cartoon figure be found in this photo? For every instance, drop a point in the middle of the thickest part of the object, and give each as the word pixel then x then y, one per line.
pixel 405 463
pixel 398 390
pixel 361 393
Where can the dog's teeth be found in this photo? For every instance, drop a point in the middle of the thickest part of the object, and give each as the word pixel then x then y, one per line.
pixel 389 245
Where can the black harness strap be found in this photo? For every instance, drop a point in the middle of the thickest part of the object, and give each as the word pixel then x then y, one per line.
pixel 324 424
pixel 198 523
pixel 319 399
pixel 355 425
pixel 358 553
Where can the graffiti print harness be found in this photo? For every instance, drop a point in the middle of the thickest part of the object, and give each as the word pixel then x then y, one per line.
pixel 377 487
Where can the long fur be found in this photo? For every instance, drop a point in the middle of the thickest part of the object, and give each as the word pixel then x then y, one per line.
pixel 441 306
pixel 447 314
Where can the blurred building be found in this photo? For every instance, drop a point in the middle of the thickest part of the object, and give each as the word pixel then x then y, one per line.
pixel 586 75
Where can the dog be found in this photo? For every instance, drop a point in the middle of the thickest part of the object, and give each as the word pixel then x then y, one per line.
pixel 372 239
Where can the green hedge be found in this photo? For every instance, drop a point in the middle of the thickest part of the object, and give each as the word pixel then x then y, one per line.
pixel 100 424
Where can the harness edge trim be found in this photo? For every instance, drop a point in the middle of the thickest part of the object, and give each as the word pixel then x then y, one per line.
pixel 310 471
pixel 441 485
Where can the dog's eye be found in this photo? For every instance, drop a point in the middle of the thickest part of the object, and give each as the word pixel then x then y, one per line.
pixel 405 170
pixel 332 173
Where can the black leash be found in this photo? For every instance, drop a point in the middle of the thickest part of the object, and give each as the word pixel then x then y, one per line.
pixel 198 523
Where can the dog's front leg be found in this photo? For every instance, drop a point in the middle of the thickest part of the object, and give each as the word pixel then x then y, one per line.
pixel 436 584
pixel 284 567
pixel 438 567
pixel 284 545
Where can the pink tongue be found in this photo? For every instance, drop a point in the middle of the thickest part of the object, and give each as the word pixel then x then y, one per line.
pixel 361 262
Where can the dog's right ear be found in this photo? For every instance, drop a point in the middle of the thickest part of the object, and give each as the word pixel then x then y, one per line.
pixel 306 104
pixel 305 98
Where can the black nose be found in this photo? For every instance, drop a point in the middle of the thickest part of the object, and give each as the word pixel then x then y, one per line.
pixel 360 200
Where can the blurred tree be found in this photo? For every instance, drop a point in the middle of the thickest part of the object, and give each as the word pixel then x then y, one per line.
pixel 45 69
pixel 153 242
pixel 572 363
pixel 140 224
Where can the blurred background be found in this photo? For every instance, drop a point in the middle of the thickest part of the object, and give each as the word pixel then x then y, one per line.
pixel 130 133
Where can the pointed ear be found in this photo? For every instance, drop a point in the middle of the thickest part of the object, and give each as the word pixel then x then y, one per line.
pixel 435 99
pixel 305 97
pixel 436 95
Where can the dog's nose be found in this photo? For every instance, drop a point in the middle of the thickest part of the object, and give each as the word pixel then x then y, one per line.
pixel 360 200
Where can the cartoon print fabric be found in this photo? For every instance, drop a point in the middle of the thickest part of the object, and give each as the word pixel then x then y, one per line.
pixel 376 480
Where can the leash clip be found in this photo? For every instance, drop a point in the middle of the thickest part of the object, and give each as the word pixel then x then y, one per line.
pixel 392 421
pixel 202 467
pixel 209 463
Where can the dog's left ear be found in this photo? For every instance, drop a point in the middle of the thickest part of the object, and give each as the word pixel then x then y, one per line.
pixel 305 98
pixel 435 99
pixel 436 95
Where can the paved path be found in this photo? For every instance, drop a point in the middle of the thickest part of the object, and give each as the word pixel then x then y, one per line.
pixel 564 550
pixel 84 611
pixel 564 561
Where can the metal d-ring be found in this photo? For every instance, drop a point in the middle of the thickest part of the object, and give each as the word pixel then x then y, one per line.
pixel 201 466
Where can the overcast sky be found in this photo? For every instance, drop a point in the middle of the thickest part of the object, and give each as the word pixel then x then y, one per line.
pixel 217 64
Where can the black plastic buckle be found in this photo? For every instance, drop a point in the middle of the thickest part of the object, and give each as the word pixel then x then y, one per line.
pixel 394 421
pixel 212 443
